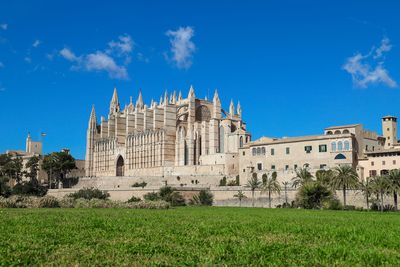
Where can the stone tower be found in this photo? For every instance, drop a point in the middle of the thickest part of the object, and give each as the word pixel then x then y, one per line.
pixel 389 130
pixel 90 138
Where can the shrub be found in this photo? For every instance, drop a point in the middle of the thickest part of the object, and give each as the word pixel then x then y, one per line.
pixel 168 194
pixel 89 193
pixel 29 188
pixel 160 204
pixel 152 196
pixel 18 201
pixel 332 204
pixel 5 190
pixel 203 198
pixel 133 199
pixel 142 184
pixel 48 202
pixel 312 195
pixel 67 202
pixel 349 207
pixel 231 183
pixel 222 182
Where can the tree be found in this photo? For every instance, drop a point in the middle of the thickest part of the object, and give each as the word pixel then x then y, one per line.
pixel 58 165
pixel 324 177
pixel 312 195
pixel 303 176
pixel 33 166
pixel 5 190
pixel 285 185
pixel 240 195
pixel 253 183
pixel 344 177
pixel 270 185
pixel 394 180
pixel 381 186
pixel 11 167
pixel 367 190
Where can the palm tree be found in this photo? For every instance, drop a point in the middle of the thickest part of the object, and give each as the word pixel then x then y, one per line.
pixel 344 177
pixel 367 190
pixel 324 177
pixel 270 185
pixel 285 185
pixel 253 183
pixel 303 176
pixel 394 179
pixel 381 185
pixel 240 195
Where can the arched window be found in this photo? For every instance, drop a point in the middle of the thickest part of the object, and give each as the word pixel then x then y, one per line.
pixel 340 146
pixel 346 131
pixel 263 150
pixel 340 156
pixel 306 165
pixel 254 150
pixel 241 141
pixel 258 151
pixel 346 145
pixel 333 148
pixel 329 132
pixel 337 132
pixel 221 139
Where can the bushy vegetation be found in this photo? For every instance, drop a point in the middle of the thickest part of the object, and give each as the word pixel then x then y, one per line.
pixel 198 236
pixel 134 199
pixel 167 194
pixel 141 184
pixel 90 193
pixel 204 198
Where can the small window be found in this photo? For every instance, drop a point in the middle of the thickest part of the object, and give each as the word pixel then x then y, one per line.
pixel 322 166
pixel 244 153
pixel 272 151
pixel 322 148
pixel 286 167
pixel 340 146
pixel 272 167
pixel 372 173
pixel 259 166
pixel 295 166
pixel 333 146
pixel 372 163
pixel 258 151
pixel 263 150
pixel 394 162
pixel 308 149
pixel 287 150
pixel 383 162
pixel 254 151
pixel 244 170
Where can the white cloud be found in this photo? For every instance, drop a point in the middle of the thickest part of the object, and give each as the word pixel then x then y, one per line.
pixel 369 69
pixel 124 46
pixel 4 26
pixel 182 47
pixel 36 43
pixel 28 59
pixel 98 61
pixel 68 54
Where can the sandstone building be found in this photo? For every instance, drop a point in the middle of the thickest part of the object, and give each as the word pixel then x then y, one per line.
pixel 338 145
pixel 189 139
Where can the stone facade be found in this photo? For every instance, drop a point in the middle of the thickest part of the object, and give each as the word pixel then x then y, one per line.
pixel 189 138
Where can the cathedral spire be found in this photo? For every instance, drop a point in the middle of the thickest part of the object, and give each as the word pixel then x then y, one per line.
pixel 166 98
pixel 232 108
pixel 139 101
pixel 216 97
pixel 239 109
pixel 92 120
pixel 180 95
pixel 114 105
pixel 191 92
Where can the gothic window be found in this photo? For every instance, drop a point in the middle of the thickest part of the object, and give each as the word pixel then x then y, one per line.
pixel 346 145
pixel 203 114
pixel 221 139
pixel 340 146
pixel 263 150
pixel 337 132
pixel 333 146
pixel 241 141
pixel 258 151
pixel 254 151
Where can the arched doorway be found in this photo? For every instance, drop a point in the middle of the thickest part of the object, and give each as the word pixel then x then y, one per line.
pixel 120 166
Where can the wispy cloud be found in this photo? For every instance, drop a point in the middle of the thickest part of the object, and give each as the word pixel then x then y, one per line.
pixel 96 62
pixel 28 59
pixel 369 69
pixel 36 43
pixel 4 26
pixel 123 46
pixel 182 47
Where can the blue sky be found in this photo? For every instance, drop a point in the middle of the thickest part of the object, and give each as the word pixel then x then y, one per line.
pixel 296 67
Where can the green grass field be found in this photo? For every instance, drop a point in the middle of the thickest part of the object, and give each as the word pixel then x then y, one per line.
pixel 198 236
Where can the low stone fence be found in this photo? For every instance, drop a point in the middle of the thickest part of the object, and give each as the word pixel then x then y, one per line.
pixel 224 195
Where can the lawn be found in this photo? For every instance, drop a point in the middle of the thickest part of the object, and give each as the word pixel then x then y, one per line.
pixel 198 236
